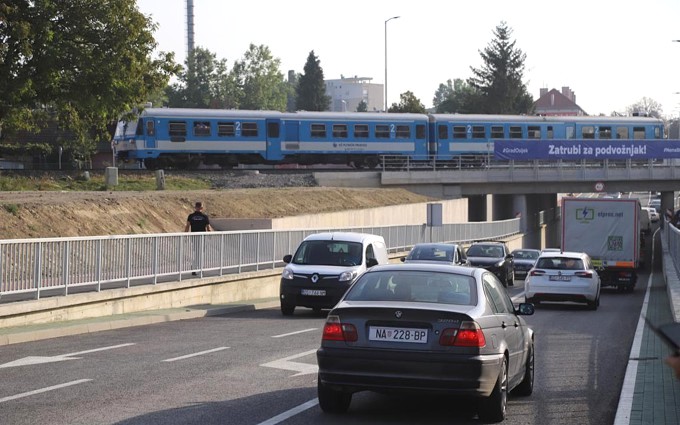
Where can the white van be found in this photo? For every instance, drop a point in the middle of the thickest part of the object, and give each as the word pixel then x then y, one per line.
pixel 325 265
pixel 646 219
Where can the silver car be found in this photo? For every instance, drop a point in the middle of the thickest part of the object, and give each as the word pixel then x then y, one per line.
pixel 427 328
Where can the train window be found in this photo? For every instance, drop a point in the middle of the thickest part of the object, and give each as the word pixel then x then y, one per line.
pixel 515 132
pixel 382 131
pixel 657 133
pixel 459 132
pixel 570 133
pixel 273 130
pixel 478 132
pixel 319 130
pixel 403 132
pixel 249 129
pixel 150 129
pixel 497 132
pixel 340 131
pixel 139 130
pixel 201 128
pixel 420 131
pixel 638 133
pixel 605 132
pixel 551 133
pixel 587 132
pixel 443 132
pixel 226 129
pixel 534 132
pixel 360 131
pixel 622 133
pixel 177 128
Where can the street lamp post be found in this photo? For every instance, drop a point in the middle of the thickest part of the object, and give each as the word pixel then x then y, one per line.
pixel 394 17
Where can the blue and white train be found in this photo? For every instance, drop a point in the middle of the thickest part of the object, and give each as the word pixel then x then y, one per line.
pixel 185 138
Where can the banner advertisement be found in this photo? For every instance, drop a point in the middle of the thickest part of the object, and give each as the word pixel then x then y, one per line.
pixel 586 149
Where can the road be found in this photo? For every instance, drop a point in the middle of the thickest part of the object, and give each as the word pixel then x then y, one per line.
pixel 259 368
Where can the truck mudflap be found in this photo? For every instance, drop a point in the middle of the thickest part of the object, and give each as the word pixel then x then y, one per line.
pixel 624 279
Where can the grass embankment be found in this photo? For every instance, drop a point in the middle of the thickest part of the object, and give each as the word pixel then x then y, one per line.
pixel 96 183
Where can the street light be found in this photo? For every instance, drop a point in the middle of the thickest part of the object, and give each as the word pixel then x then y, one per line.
pixel 394 17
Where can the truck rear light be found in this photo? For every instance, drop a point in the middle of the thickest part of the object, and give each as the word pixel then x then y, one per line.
pixel 537 273
pixel 468 335
pixel 587 275
pixel 334 330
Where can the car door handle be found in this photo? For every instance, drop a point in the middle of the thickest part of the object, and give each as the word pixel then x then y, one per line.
pixel 516 324
pixel 503 325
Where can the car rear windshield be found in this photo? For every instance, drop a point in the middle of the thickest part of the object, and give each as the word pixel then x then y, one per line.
pixel 490 251
pixel 414 286
pixel 329 253
pixel 431 253
pixel 560 263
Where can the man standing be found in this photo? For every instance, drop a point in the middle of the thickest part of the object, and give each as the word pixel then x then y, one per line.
pixel 197 222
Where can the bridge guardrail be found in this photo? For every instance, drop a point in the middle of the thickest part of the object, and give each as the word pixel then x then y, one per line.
pixel 57 266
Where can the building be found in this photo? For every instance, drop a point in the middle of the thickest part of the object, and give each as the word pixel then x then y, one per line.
pixel 555 103
pixel 347 93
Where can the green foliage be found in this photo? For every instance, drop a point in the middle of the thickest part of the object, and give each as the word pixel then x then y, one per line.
pixel 11 208
pixel 455 97
pixel 362 106
pixel 311 89
pixel 96 183
pixel 260 81
pixel 408 103
pixel 82 62
pixel 499 80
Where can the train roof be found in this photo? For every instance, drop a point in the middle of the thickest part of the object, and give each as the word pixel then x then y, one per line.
pixel 207 113
pixel 467 118
pixel 377 116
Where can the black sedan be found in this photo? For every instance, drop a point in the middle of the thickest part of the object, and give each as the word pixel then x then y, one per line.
pixel 524 260
pixel 427 328
pixel 495 257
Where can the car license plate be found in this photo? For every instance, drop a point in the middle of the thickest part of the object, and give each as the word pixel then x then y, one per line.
pixel 314 292
pixel 380 333
pixel 561 278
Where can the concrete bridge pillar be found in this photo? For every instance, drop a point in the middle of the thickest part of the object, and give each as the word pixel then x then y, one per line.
pixel 667 203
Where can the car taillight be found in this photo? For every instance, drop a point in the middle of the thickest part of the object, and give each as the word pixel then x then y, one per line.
pixel 468 335
pixel 334 330
pixel 587 275
pixel 537 273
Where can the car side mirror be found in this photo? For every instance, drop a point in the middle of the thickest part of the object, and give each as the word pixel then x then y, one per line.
pixel 371 262
pixel 287 258
pixel 525 309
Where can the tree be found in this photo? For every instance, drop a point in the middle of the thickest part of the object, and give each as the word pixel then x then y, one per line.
pixel 362 106
pixel 78 63
pixel 311 90
pixel 260 80
pixel 455 97
pixel 408 102
pixel 499 80
pixel 204 83
pixel 646 107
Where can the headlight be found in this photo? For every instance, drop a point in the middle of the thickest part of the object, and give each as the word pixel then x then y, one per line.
pixel 345 276
pixel 287 274
pixel 499 264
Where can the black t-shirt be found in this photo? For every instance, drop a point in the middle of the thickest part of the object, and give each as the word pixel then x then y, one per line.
pixel 198 221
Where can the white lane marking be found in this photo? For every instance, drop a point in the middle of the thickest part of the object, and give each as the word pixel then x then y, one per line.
pixel 301 368
pixel 31 360
pixel 43 390
pixel 290 413
pixel 294 333
pixel 625 406
pixel 196 354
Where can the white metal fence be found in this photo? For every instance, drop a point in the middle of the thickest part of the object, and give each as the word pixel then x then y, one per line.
pixel 59 266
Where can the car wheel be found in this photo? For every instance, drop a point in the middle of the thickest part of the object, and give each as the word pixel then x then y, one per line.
pixel 287 309
pixel 332 401
pixel 493 407
pixel 526 387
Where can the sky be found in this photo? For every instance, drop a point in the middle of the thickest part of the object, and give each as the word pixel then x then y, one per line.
pixel 610 53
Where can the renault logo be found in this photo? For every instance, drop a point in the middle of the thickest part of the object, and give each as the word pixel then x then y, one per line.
pixel 398 314
pixel 315 278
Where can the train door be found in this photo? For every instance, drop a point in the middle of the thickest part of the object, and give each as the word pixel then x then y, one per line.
pixel 569 131
pixel 275 136
pixel 149 134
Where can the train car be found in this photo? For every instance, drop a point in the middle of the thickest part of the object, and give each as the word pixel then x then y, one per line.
pixel 453 137
pixel 183 138
pixel 358 139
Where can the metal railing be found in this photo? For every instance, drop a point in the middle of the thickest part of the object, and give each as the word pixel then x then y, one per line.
pixel 59 266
